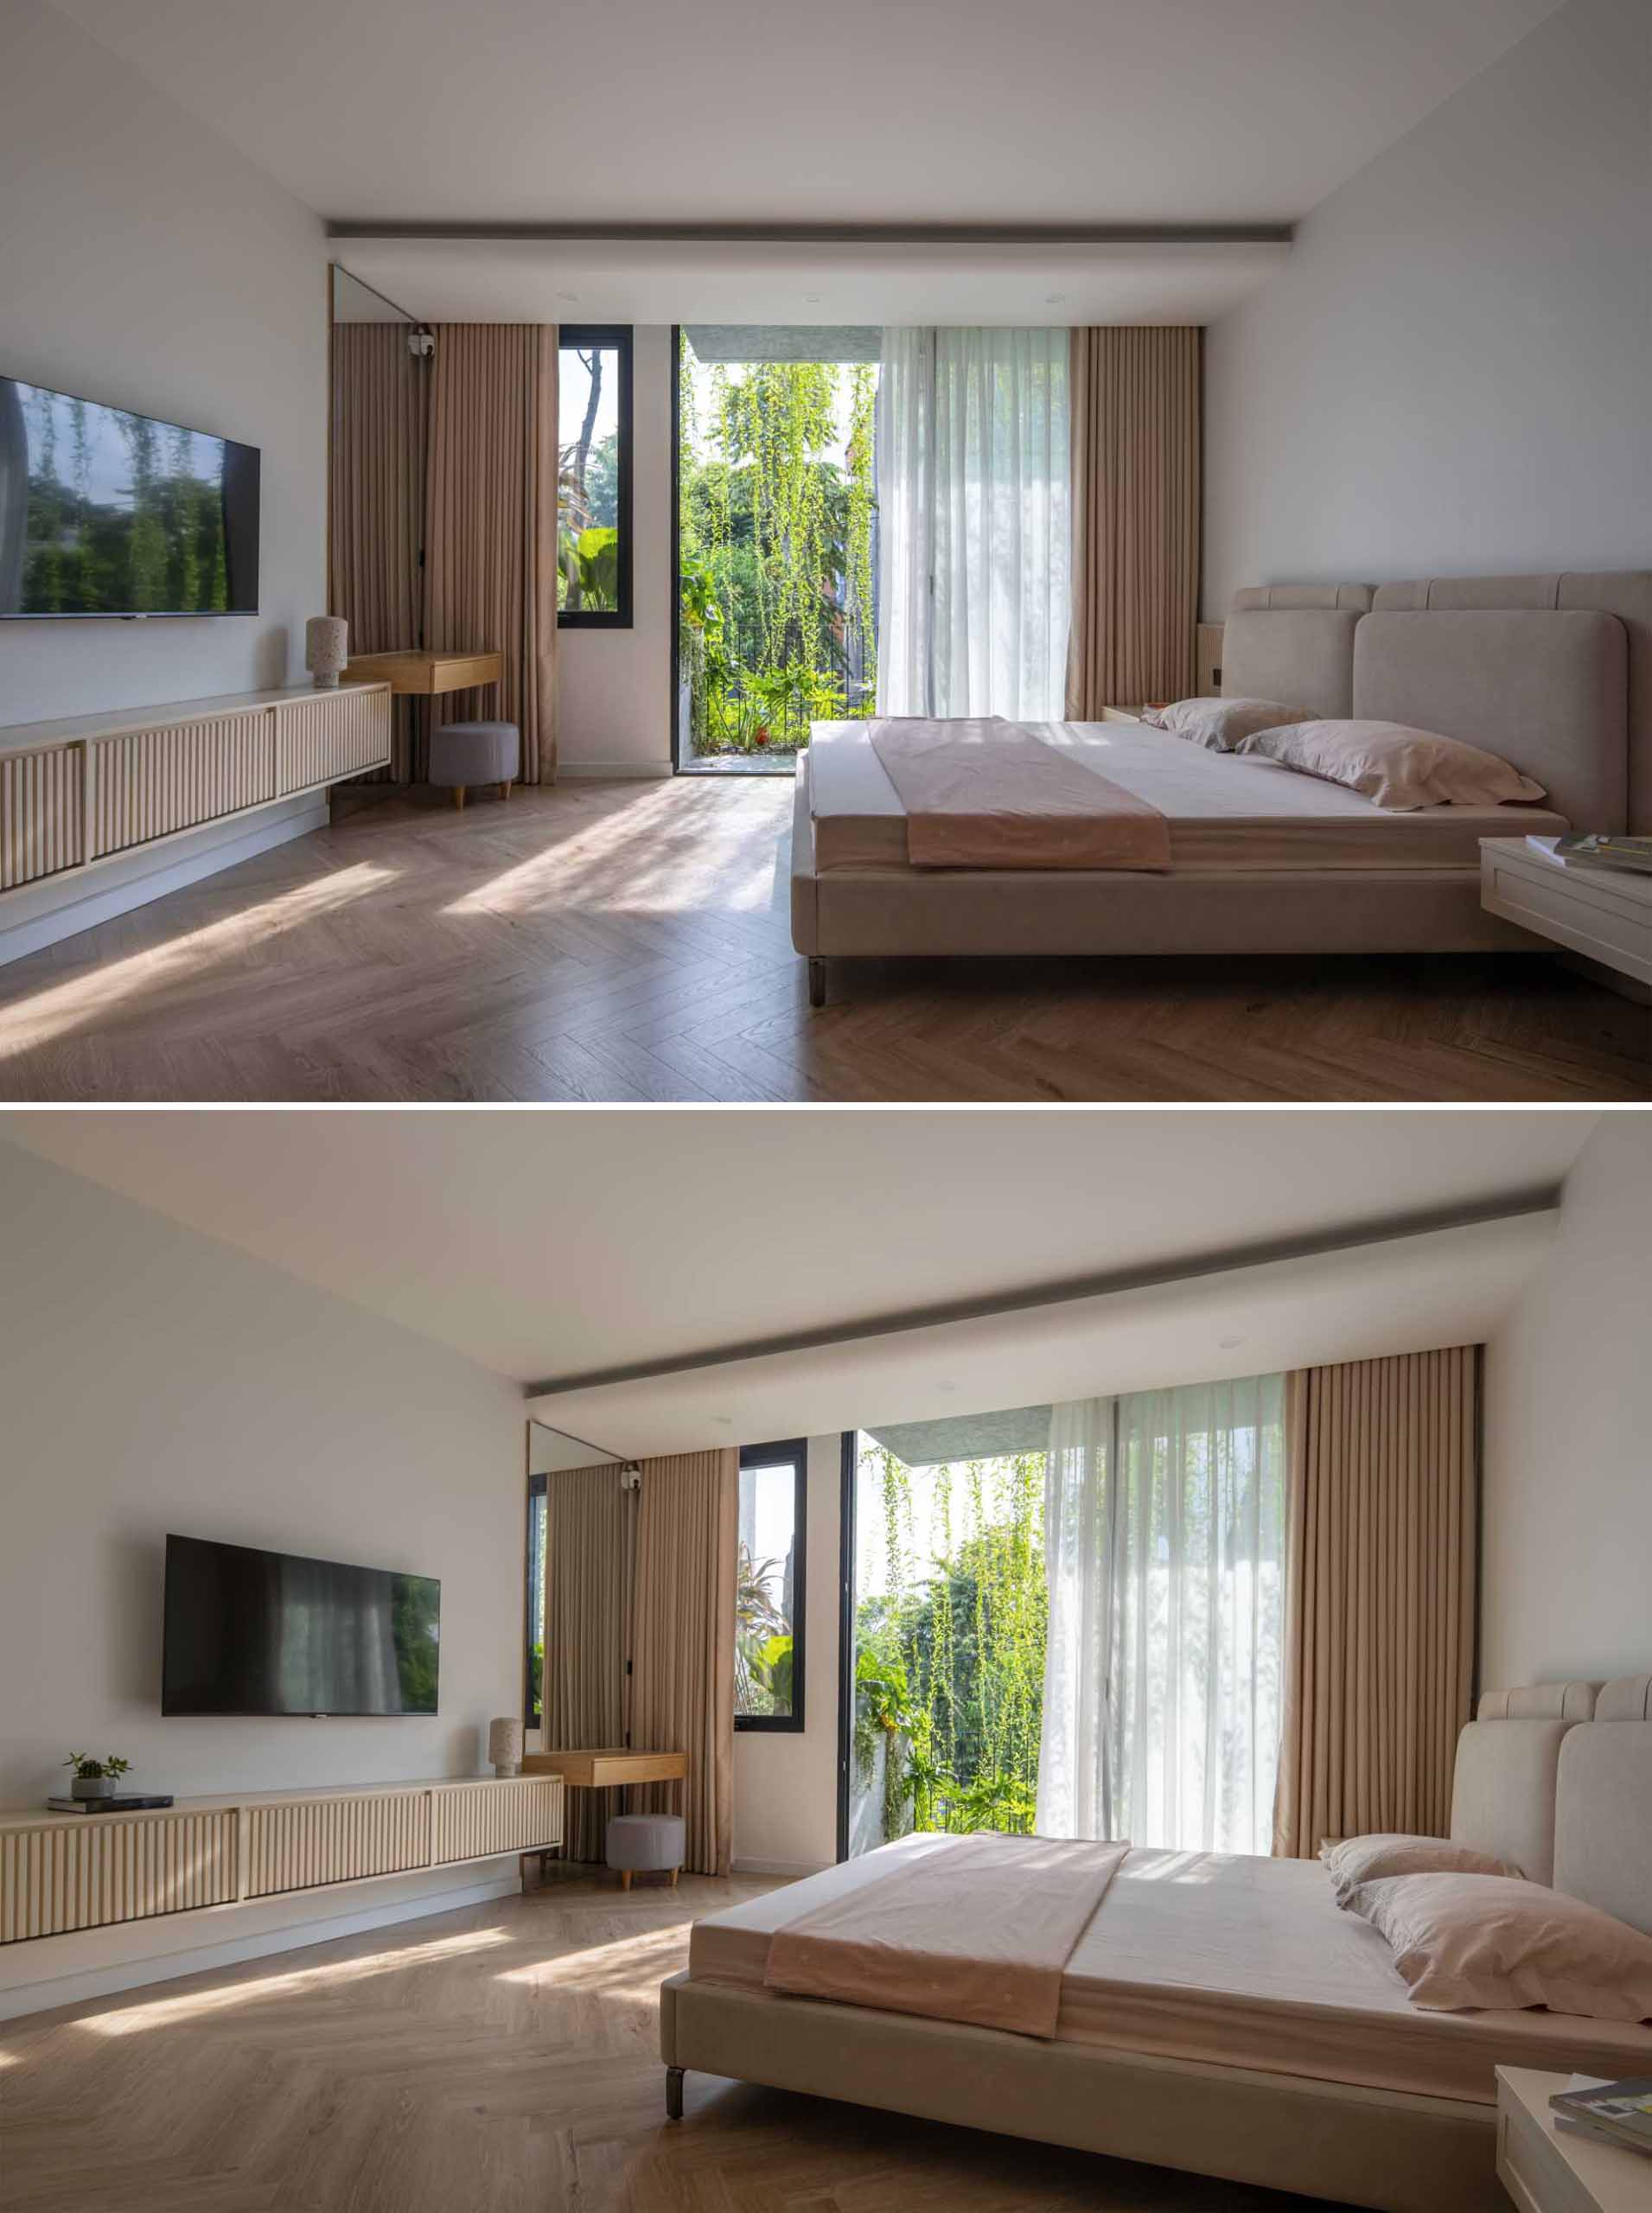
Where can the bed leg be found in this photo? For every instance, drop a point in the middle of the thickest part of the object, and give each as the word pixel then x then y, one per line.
pixel 674 2093
pixel 817 980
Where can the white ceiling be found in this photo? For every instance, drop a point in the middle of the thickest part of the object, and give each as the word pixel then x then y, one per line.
pixel 1450 1287
pixel 553 1246
pixel 1017 287
pixel 1063 111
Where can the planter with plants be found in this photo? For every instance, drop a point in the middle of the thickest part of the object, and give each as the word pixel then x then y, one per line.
pixel 96 1778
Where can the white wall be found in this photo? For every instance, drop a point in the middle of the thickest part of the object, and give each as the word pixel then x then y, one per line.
pixel 614 687
pixel 1450 374
pixel 143 263
pixel 785 1785
pixel 152 1380
pixel 1567 1508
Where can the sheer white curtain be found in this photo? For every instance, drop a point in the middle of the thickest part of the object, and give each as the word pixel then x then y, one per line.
pixel 975 523
pixel 1073 1796
pixel 1164 1542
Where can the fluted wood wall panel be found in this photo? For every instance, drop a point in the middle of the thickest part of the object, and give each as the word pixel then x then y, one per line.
pixel 332 735
pixel 508 1817
pixel 299 1845
pixel 42 818
pixel 151 782
pixel 104 1870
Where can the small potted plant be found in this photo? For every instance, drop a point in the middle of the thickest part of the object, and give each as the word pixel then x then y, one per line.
pixel 96 1778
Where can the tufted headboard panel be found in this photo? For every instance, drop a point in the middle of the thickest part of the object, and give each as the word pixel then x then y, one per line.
pixel 1624 593
pixel 1603 1824
pixel 1301 656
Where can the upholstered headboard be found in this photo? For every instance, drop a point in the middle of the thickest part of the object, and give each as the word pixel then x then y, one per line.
pixel 1551 699
pixel 1507 1760
pixel 1603 1823
pixel 1557 1778
pixel 1294 643
pixel 1625 594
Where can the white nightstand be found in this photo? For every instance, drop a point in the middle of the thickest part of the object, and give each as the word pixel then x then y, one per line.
pixel 1603 914
pixel 1549 2170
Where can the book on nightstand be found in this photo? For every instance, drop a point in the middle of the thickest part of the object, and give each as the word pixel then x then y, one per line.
pixel 105 1805
pixel 1612 2113
pixel 1596 850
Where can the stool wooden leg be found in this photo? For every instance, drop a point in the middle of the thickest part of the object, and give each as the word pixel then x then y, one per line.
pixel 504 789
pixel 674 1874
pixel 458 797
pixel 625 1879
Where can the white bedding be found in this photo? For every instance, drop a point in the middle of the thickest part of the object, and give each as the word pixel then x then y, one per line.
pixel 1225 812
pixel 1245 1962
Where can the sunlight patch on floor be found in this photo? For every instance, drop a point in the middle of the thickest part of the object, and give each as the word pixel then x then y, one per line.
pixel 194 2004
pixel 62 1007
pixel 606 1966
pixel 597 867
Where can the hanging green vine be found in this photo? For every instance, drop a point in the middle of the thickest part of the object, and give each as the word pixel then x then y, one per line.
pixel 778 536
pixel 950 1655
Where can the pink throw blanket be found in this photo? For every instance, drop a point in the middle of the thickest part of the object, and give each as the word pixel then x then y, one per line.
pixel 977 1929
pixel 995 794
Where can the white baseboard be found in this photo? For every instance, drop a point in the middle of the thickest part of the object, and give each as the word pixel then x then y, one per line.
pixel 792 1867
pixel 569 771
pixel 62 906
pixel 74 1986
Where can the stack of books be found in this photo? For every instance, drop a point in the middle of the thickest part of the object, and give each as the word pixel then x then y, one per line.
pixel 1612 2113
pixel 1596 850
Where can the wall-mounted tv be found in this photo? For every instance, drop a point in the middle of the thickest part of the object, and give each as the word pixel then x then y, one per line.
pixel 251 1632
pixel 103 511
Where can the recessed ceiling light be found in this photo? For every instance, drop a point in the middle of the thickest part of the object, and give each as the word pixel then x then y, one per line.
pixel 568 295
pixel 1053 299
pixel 1227 1344
pixel 812 299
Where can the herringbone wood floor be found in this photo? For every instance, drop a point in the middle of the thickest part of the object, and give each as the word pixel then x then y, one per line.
pixel 503 2057
pixel 630 941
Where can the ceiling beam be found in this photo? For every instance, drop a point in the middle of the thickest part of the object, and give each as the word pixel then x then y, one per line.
pixel 1035 234
pixel 1219 1261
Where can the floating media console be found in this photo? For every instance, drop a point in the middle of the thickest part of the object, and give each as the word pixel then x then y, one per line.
pixel 79 794
pixel 64 1871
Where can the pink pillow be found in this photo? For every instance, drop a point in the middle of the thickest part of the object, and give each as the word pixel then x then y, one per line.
pixel 1481 1940
pixel 1368 1859
pixel 1394 766
pixel 1221 725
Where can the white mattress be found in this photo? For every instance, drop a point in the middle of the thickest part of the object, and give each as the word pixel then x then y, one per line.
pixel 1225 812
pixel 1242 1963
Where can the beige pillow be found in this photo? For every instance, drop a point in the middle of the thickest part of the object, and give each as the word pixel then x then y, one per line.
pixel 1359 1860
pixel 1481 1940
pixel 1220 724
pixel 1395 767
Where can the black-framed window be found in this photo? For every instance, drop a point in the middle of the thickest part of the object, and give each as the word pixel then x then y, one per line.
pixel 770 1589
pixel 534 1656
pixel 594 426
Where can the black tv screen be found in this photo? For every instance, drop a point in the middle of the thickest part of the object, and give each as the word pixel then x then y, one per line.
pixel 103 511
pixel 256 1632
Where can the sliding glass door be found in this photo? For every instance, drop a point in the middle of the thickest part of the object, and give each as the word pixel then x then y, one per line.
pixel 1070 1617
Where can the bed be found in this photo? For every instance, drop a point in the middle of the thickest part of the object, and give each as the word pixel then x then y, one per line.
pixel 1554 673
pixel 1221 2014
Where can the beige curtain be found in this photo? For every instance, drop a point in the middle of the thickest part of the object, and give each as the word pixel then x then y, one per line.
pixel 1382 1458
pixel 682 1691
pixel 589 1540
pixel 375 501
pixel 1135 443
pixel 490 535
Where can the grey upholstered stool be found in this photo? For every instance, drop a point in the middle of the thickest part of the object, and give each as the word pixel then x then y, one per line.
pixel 644 1843
pixel 462 754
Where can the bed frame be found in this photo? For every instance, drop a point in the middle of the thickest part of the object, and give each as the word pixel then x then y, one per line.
pixel 1553 673
pixel 1559 1776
